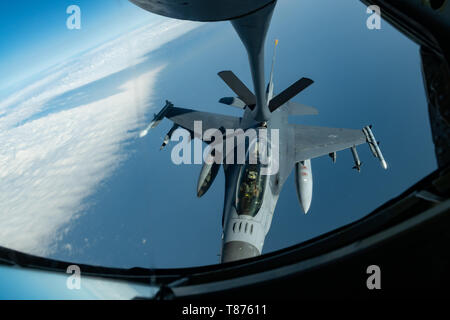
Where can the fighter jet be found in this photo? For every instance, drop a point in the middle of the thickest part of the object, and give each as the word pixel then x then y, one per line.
pixel 251 190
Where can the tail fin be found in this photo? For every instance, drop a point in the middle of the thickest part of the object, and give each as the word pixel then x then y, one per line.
pixel 269 91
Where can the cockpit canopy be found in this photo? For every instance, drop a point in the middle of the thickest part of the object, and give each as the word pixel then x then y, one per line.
pixel 253 178
pixel 251 189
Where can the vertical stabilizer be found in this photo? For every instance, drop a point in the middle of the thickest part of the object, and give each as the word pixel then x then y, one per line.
pixel 269 91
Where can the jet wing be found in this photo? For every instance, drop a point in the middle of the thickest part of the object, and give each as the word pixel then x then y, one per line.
pixel 298 109
pixel 185 118
pixel 312 142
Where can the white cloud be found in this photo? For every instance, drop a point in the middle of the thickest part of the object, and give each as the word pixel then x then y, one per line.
pixel 102 61
pixel 49 165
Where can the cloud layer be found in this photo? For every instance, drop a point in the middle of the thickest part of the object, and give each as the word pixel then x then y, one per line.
pixel 51 162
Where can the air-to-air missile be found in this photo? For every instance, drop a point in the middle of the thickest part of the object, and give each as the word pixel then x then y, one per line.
pixel 168 136
pixel 373 144
pixel 156 119
pixel 358 163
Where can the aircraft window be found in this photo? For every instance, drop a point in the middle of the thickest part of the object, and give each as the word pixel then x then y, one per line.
pixel 251 190
pixel 74 158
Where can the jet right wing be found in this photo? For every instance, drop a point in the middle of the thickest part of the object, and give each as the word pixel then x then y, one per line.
pixel 312 142
pixel 298 109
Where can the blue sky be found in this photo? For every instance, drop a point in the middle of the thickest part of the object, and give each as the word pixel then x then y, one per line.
pixel 145 212
pixel 22 284
pixel 34 35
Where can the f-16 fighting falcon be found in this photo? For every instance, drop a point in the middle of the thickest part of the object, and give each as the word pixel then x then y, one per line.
pixel 252 191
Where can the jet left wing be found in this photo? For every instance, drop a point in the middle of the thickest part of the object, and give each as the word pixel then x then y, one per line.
pixel 312 142
pixel 185 118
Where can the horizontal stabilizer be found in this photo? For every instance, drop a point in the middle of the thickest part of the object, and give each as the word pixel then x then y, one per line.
pixel 289 93
pixel 298 109
pixel 232 101
pixel 238 87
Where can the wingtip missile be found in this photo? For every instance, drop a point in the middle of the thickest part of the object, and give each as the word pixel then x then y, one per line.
pixel 156 119
pixel 373 144
pixel 143 133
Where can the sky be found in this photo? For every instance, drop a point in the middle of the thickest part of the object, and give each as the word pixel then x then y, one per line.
pixel 34 33
pixel 76 182
pixel 23 284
